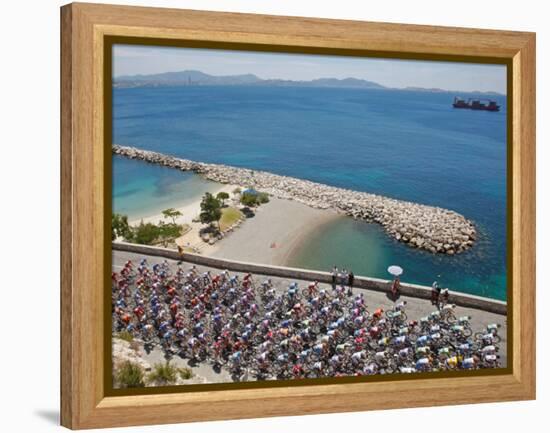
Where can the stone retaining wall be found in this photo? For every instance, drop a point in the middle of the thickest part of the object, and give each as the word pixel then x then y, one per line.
pixel 430 228
pixel 413 290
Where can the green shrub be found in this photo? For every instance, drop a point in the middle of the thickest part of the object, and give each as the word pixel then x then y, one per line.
pixel 163 374
pixel 129 375
pixel 150 234
pixel 169 232
pixel 186 373
pixel 263 197
pixel 145 233
pixel 249 199
pixel 254 199
pixel 120 227
pixel 126 336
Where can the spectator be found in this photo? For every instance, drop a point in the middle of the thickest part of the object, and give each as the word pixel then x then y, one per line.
pixel 436 290
pixel 445 296
pixel 395 288
pixel 180 254
pixel 351 279
pixel 334 275
pixel 344 277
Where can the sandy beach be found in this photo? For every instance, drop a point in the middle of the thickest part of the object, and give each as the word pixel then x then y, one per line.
pixel 273 233
pixel 270 237
pixel 190 210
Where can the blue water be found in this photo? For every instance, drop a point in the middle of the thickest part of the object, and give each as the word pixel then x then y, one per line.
pixel 403 144
pixel 142 190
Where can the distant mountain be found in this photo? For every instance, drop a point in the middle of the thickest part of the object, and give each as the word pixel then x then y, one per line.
pixel 325 82
pixel 198 78
pixel 346 82
pixel 183 78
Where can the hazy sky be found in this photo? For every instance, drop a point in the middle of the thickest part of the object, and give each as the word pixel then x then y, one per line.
pixel 134 59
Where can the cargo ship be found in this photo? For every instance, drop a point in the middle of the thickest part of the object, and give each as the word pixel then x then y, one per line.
pixel 476 104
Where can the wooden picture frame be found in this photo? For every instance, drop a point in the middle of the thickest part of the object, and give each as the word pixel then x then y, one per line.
pixel 85 27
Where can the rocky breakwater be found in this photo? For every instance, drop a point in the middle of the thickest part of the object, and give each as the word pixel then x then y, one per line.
pixel 420 226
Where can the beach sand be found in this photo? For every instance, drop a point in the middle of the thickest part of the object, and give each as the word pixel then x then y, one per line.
pixel 271 236
pixel 191 211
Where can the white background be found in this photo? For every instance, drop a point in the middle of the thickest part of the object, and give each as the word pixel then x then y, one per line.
pixel 29 271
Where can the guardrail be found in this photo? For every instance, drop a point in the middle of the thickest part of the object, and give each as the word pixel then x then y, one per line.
pixel 379 285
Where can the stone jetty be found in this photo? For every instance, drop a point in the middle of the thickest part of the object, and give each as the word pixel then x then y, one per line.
pixel 433 229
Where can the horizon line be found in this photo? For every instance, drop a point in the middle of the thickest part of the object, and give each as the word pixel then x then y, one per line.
pixel 114 77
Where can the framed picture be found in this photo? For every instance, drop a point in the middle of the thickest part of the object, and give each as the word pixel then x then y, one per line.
pixel 268 216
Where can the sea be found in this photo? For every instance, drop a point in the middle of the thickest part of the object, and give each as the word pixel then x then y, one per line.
pixel 409 145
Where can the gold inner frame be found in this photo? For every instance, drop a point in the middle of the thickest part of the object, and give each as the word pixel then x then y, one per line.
pixel 109 41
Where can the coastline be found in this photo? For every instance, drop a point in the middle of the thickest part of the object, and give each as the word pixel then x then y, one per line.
pixel 434 229
pixel 306 240
pixel 189 211
pixel 310 236
pixel 191 239
pixel 290 224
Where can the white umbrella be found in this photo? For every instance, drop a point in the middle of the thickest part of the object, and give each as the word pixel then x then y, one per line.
pixel 395 270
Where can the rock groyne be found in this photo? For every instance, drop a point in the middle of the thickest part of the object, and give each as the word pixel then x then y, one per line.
pixel 420 226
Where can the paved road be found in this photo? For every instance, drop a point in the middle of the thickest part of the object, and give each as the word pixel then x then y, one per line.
pixel 416 308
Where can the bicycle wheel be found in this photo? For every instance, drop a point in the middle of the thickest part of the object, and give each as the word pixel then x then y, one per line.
pixel 478 336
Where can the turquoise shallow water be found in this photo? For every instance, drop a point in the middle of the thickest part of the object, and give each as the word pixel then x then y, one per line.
pixel 404 144
pixel 141 190
pixel 366 247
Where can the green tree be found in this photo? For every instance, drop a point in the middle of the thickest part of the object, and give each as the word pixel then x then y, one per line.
pixel 211 209
pixel 222 196
pixel 146 233
pixel 171 213
pixel 249 199
pixel 168 232
pixel 120 227
pixel 263 197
